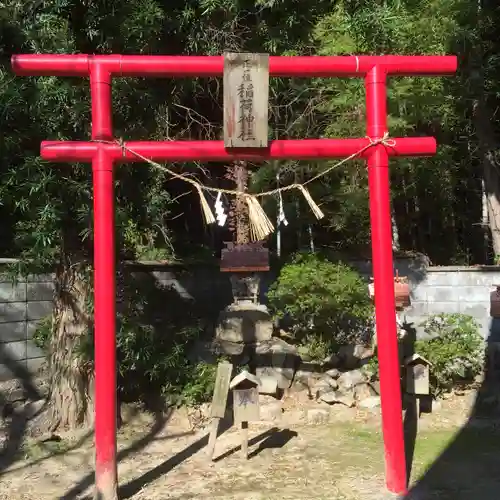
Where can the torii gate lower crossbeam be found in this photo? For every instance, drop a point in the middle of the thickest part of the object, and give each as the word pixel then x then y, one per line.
pixel 104 154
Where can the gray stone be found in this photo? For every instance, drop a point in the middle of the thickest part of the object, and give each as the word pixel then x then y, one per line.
pixel 36 365
pixel 442 294
pixel 330 381
pixel 12 292
pixel 230 348
pixel 31 408
pixel 321 387
pixel 332 361
pixel 306 379
pixel 13 331
pixel 352 355
pixel 12 311
pixel 318 416
pixel 33 351
pixel 13 351
pixel 271 412
pixel 279 375
pixel 41 278
pixel 31 328
pixel 247 323
pixel 335 397
pixel 369 403
pixel 329 397
pixel 40 291
pixel 334 373
pixel 276 358
pixel 450 307
pixel 268 385
pixel 346 400
pixel 418 292
pixel 302 377
pixel 38 310
pixel 348 380
pixel 364 391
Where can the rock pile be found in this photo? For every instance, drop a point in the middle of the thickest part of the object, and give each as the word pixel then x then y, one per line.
pixel 245 332
pixel 340 379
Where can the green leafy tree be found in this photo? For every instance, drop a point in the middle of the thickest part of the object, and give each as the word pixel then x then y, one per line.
pixel 49 207
pixel 323 301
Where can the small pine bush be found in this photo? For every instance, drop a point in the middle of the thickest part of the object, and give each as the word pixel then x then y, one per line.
pixel 455 349
pixel 326 302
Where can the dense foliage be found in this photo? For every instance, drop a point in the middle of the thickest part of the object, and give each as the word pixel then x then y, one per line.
pixel 455 349
pixel 447 206
pixel 323 302
pixel 154 345
pixel 431 196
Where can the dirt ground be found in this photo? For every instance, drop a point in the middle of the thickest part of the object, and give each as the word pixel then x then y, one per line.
pixel 289 460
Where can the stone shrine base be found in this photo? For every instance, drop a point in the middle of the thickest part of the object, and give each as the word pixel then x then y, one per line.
pixel 244 323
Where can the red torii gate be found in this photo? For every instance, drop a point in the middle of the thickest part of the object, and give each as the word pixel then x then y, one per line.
pixel 104 155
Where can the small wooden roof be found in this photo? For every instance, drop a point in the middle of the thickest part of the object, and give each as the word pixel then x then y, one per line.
pixel 244 375
pixel 411 360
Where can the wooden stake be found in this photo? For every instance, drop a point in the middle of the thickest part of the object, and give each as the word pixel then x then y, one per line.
pixel 219 402
pixel 244 440
pixel 214 429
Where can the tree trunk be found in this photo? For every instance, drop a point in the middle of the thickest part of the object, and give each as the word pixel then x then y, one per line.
pixel 483 121
pixel 492 185
pixel 491 176
pixel 395 232
pixel 70 372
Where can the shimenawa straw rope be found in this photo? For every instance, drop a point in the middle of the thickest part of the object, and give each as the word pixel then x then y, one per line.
pixel 260 225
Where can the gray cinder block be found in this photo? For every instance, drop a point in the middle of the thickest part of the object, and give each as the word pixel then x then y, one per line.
pixel 12 311
pixel 13 331
pixel 40 291
pixel 38 310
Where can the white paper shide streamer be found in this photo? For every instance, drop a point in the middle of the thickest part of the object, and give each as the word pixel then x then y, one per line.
pixel 281 211
pixel 220 214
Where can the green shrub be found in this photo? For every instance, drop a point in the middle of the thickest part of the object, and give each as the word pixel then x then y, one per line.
pixel 42 332
pixel 326 301
pixel 156 329
pixel 455 349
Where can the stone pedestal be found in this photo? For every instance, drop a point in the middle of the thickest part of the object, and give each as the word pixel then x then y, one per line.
pixel 245 322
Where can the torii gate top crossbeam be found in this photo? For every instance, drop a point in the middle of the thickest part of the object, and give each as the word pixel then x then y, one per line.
pixel 204 66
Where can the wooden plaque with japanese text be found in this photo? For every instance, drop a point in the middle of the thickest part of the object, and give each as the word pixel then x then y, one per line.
pixel 249 258
pixel 246 100
pixel 246 405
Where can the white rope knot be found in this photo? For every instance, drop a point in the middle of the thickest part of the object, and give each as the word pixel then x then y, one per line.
pixel 121 144
pixel 391 143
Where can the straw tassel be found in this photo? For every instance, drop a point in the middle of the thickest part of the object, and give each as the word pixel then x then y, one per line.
pixel 315 209
pixel 205 207
pixel 260 225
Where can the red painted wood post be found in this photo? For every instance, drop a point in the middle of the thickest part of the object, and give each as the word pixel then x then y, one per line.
pixel 104 289
pixel 383 273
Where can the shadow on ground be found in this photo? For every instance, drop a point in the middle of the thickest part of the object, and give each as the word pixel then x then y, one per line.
pixel 468 468
pixel 15 419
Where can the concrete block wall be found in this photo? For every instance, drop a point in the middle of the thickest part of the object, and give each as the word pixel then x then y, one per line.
pixel 434 290
pixel 463 290
pixel 22 305
pixel 448 289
